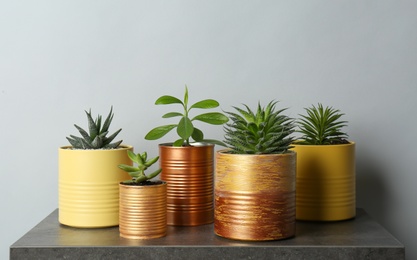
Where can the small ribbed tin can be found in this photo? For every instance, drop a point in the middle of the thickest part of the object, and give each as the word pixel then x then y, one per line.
pixel 142 213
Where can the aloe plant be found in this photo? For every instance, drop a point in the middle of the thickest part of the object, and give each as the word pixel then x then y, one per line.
pixel 138 172
pixel 186 129
pixel 96 137
pixel 265 132
pixel 322 126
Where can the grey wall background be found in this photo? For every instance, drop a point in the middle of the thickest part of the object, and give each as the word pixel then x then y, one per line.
pixel 58 58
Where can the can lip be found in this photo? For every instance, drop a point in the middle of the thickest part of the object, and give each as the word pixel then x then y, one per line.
pixel 120 147
pixel 297 144
pixel 195 144
pixel 227 152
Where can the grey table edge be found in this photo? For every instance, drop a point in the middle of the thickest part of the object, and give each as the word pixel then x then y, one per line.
pixel 359 238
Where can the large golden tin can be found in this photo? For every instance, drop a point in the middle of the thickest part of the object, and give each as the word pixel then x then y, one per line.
pixel 326 182
pixel 255 196
pixel 188 171
pixel 142 213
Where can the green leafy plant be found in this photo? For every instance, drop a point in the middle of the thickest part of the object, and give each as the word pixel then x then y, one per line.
pixel 185 127
pixel 138 172
pixel 322 126
pixel 265 132
pixel 97 137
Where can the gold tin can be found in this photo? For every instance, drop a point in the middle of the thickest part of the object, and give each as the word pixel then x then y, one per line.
pixel 326 182
pixel 255 196
pixel 188 171
pixel 142 213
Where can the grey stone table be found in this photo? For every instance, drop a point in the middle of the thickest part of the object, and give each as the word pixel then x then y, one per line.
pixel 360 238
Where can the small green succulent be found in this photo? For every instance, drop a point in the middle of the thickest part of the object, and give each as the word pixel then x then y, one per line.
pixel 138 172
pixel 185 127
pixel 321 126
pixel 97 137
pixel 265 132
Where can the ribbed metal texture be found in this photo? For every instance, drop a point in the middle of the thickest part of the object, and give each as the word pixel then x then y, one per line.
pixel 88 186
pixel 142 213
pixel 255 196
pixel 189 174
pixel 326 182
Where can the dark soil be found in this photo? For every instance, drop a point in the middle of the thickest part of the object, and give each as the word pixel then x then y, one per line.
pixel 146 183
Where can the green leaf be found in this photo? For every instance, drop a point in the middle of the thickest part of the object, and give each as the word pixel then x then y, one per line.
pixel 165 100
pixel 113 145
pixel 197 135
pixel 140 160
pixel 144 156
pixel 108 120
pixel 206 104
pixel 83 133
pixel 151 161
pixel 185 128
pixel 92 126
pixel 135 174
pixel 214 118
pixel 127 168
pixel 213 141
pixel 159 132
pixel 172 114
pixel 186 96
pixel 154 174
pixel 110 138
pixel 132 156
pixel 178 143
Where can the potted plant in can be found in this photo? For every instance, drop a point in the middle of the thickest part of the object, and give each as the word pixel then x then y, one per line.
pixel 255 176
pixel 142 201
pixel 325 167
pixel 88 186
pixel 188 163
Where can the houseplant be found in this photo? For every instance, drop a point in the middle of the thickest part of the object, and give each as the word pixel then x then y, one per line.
pixel 188 163
pixel 255 176
pixel 88 185
pixel 142 207
pixel 325 167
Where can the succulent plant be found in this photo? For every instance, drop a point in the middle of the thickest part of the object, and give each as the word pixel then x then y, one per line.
pixel 185 127
pixel 97 137
pixel 322 126
pixel 265 132
pixel 138 172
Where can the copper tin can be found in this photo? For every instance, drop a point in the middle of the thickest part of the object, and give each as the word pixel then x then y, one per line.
pixel 188 170
pixel 142 213
pixel 255 196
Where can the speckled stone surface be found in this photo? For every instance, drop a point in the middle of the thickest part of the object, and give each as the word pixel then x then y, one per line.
pixel 359 238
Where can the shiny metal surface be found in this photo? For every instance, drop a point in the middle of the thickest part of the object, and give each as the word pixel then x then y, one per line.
pixel 189 174
pixel 326 182
pixel 255 196
pixel 142 213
